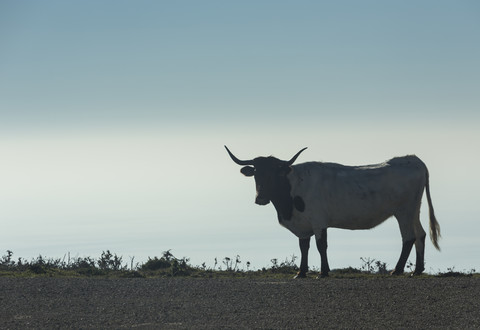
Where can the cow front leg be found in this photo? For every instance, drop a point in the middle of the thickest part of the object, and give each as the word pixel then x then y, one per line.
pixel 322 248
pixel 304 246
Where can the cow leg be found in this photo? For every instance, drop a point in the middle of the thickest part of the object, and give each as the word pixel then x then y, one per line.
pixel 419 244
pixel 407 218
pixel 420 249
pixel 322 248
pixel 407 247
pixel 304 246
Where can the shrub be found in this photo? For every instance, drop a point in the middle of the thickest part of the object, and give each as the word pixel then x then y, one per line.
pixel 155 264
pixel 372 266
pixel 168 265
pixel 286 267
pixel 6 261
pixel 109 261
pixel 348 270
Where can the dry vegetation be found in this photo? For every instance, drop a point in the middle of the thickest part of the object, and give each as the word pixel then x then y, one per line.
pixel 111 265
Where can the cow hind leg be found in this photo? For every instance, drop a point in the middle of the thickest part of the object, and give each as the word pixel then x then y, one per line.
pixel 406 224
pixel 304 247
pixel 322 248
pixel 406 248
pixel 412 233
pixel 419 247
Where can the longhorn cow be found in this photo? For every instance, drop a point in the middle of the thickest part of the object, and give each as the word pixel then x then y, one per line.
pixel 311 197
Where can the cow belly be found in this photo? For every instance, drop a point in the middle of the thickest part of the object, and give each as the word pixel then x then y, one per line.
pixel 299 227
pixel 358 222
pixel 354 211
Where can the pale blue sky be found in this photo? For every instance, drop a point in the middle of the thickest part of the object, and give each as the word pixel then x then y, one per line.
pixel 113 117
pixel 115 62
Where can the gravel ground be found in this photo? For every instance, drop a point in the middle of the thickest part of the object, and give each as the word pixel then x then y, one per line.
pixel 177 303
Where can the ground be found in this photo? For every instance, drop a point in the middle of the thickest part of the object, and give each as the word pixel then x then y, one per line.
pixel 179 303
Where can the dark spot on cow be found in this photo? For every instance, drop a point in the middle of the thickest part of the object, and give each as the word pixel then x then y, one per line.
pixel 299 203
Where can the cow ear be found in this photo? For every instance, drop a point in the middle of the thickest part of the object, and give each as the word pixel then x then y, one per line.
pixel 247 171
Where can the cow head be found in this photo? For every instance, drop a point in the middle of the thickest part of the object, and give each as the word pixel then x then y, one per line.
pixel 270 176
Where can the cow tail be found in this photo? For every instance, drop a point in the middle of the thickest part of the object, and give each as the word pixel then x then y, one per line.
pixel 434 226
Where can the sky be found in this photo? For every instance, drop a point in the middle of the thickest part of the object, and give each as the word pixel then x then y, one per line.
pixel 114 114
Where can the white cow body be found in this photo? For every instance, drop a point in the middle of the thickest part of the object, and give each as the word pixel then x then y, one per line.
pixel 353 197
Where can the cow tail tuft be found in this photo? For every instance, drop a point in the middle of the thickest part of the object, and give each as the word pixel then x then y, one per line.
pixel 434 225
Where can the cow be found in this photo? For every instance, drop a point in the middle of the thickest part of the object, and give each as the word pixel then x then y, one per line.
pixel 313 196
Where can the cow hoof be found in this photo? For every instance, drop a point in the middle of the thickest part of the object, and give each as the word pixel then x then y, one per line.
pixel 300 275
pixel 396 272
pixel 417 273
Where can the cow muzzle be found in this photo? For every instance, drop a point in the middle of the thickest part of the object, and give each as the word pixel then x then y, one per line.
pixel 261 201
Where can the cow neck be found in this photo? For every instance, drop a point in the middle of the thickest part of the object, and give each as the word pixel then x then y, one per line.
pixel 282 201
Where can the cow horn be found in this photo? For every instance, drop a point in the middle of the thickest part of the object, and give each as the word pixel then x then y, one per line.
pixel 294 158
pixel 238 161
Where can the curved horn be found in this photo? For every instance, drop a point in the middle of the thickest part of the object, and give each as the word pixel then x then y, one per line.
pixel 238 161
pixel 294 158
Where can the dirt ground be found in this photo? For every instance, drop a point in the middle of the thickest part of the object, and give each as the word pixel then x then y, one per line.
pixel 178 303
